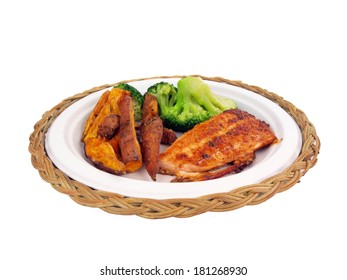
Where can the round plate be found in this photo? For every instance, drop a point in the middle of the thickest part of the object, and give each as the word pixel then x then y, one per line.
pixel 65 149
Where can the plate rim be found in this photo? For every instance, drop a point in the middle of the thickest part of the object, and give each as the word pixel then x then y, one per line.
pixel 64 148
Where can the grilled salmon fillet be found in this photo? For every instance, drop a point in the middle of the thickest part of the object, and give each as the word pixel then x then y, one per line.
pixel 224 144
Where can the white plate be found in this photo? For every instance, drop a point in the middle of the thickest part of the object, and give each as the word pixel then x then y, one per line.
pixel 65 149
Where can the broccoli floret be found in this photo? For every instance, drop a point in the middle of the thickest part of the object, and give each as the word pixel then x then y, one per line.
pixel 165 93
pixel 202 93
pixel 192 102
pixel 137 99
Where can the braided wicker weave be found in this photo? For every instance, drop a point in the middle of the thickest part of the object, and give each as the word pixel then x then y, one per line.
pixel 153 208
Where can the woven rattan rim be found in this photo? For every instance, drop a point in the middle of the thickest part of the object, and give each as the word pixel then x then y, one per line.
pixel 153 208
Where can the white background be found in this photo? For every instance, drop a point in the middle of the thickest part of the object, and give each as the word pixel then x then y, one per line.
pixel 53 50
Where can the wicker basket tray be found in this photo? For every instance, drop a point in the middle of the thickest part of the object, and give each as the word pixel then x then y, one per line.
pixel 187 207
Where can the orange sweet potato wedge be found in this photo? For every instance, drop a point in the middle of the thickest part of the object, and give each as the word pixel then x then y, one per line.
pixel 104 156
pixel 107 104
pixel 109 136
pixel 101 143
pixel 96 111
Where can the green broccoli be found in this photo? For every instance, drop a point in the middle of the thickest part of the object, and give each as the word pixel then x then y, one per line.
pixel 192 102
pixel 137 98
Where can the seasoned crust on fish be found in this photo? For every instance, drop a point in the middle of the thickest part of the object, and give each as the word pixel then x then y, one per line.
pixel 224 144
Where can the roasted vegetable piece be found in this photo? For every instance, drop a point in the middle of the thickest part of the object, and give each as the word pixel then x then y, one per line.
pixel 169 136
pixel 103 152
pixel 107 104
pixel 129 145
pixel 114 142
pixel 96 111
pixel 103 156
pixel 151 134
pixel 137 99
pixel 191 103
pixel 108 127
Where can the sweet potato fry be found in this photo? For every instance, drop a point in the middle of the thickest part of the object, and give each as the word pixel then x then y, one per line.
pixel 103 156
pixel 96 111
pixel 114 142
pixel 107 104
pixel 151 131
pixel 101 145
pixel 129 145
